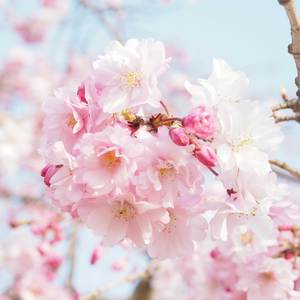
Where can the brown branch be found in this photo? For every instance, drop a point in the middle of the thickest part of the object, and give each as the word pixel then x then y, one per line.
pixel 144 276
pixel 100 13
pixel 286 167
pixel 288 104
pixel 295 117
pixel 6 194
pixel 72 255
pixel 294 47
pixel 143 291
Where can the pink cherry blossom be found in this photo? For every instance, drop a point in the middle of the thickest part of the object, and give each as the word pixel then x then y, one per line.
pixel 267 278
pixel 66 119
pixel 130 74
pixel 117 218
pixel 168 171
pixel 105 159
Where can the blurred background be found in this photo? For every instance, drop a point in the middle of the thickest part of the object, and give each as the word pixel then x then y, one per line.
pixel 46 44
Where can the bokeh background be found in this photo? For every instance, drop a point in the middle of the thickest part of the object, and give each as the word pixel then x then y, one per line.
pixel 44 47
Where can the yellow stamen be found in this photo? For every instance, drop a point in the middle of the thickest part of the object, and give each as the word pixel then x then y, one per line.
pixel 247 238
pixel 71 122
pixel 110 160
pixel 131 79
pixel 128 115
pixel 267 276
pixel 172 223
pixel 124 211
pixel 240 144
pixel 167 170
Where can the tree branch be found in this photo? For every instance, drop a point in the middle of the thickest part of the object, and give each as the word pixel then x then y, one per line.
pixel 294 47
pixel 295 117
pixel 286 167
pixel 293 104
pixel 72 255
pixel 100 13
pixel 144 276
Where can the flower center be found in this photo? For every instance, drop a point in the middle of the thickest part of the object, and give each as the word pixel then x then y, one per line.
pixel 109 160
pixel 267 276
pixel 172 223
pixel 167 169
pixel 247 238
pixel 239 144
pixel 124 211
pixel 71 122
pixel 131 79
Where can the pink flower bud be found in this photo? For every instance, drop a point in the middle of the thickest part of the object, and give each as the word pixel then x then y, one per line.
pixel 48 171
pixel 81 93
pixel 119 265
pixel 285 227
pixel 201 122
pixel 215 253
pixel 43 248
pixel 96 255
pixel 13 223
pixel 206 155
pixel 53 261
pixel 288 255
pixel 179 136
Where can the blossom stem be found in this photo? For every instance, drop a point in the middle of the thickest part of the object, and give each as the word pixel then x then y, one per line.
pixel 164 107
pixel 213 171
pixel 172 119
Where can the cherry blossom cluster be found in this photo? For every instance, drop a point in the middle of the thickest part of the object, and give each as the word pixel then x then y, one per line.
pixel 240 268
pixel 35 28
pixel 124 160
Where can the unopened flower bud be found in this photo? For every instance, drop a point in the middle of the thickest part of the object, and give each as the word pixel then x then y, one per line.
pixel 206 155
pixel 48 171
pixel 96 255
pixel 201 122
pixel 179 136
pixel 81 93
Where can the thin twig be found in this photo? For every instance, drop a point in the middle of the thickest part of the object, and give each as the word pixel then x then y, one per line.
pixel 26 199
pixel 287 118
pixel 72 255
pixel 95 295
pixel 293 104
pixel 100 13
pixel 286 167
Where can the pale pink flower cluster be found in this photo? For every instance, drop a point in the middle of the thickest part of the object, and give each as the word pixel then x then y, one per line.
pixel 129 169
pixel 35 28
pixel 33 271
pixel 254 235
pixel 124 180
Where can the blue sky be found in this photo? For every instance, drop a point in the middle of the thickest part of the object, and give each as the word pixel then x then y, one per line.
pixel 251 35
